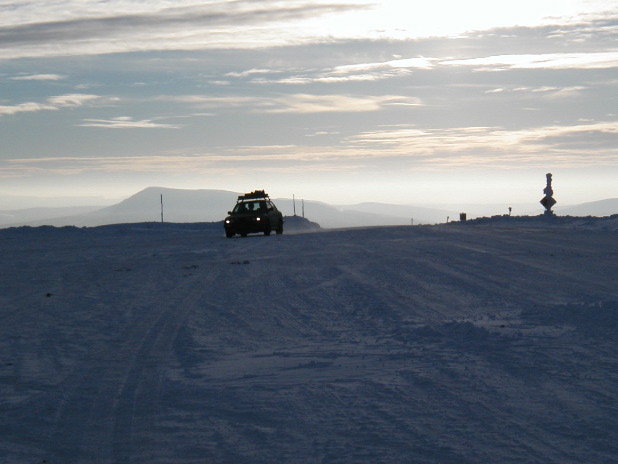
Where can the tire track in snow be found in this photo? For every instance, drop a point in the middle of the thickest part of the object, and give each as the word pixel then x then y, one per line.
pixel 103 405
pixel 139 393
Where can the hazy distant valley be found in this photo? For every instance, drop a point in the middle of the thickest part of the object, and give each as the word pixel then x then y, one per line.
pixel 212 205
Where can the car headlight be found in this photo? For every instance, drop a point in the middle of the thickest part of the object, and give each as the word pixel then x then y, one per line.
pixel 227 221
pixel 258 219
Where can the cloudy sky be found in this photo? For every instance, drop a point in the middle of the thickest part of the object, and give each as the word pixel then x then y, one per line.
pixel 343 101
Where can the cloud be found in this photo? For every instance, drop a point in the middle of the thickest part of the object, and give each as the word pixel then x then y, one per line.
pixel 219 24
pixel 299 103
pixel 265 158
pixel 71 165
pixel 72 100
pixel 166 163
pixel 28 107
pixel 118 26
pixel 420 63
pixel 125 122
pixel 452 149
pixel 249 72
pixel 602 60
pixel 307 103
pixel 546 91
pixel 38 77
pixel 52 104
pixel 366 72
pixel 495 147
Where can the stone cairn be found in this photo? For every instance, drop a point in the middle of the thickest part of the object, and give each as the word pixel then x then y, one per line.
pixel 548 200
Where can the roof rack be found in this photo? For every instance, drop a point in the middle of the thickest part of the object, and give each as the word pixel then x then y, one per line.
pixel 256 194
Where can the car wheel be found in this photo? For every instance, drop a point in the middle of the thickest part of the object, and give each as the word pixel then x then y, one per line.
pixel 267 228
pixel 280 228
pixel 229 234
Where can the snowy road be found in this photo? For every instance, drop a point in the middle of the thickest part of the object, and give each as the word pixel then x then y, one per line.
pixel 156 343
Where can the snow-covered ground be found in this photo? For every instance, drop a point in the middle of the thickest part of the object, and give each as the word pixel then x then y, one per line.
pixel 168 343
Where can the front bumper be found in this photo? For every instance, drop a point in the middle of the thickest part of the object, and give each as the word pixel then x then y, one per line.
pixel 245 225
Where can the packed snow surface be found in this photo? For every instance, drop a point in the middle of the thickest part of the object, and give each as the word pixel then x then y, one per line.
pixel 168 343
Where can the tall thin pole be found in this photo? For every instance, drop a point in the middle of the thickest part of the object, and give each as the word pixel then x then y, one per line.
pixel 303 203
pixel 294 204
pixel 161 207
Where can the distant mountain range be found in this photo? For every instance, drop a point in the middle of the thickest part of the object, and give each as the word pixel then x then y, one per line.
pixel 594 208
pixel 180 205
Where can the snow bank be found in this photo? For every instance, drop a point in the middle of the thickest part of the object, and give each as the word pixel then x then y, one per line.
pixel 572 222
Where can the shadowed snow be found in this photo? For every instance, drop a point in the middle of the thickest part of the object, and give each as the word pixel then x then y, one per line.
pixel 169 343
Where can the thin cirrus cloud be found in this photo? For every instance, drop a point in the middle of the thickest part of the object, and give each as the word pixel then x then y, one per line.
pixel 307 103
pixel 72 165
pixel 427 149
pixel 51 104
pixel 126 122
pixel 404 67
pixel 476 143
pixel 298 103
pixel 167 163
pixel 601 60
pixel 544 92
pixel 91 28
pixel 189 27
pixel 362 72
pixel 401 63
pixel 38 77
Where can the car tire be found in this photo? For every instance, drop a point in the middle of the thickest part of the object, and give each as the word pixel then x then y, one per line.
pixel 280 228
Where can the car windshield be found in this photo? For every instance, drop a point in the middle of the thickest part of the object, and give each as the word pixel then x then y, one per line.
pixel 249 206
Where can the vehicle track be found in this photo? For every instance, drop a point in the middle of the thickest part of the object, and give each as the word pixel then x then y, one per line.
pixel 99 425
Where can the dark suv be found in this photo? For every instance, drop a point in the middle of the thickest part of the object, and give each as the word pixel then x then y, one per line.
pixel 254 212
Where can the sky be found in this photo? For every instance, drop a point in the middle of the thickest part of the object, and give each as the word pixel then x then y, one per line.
pixel 393 101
